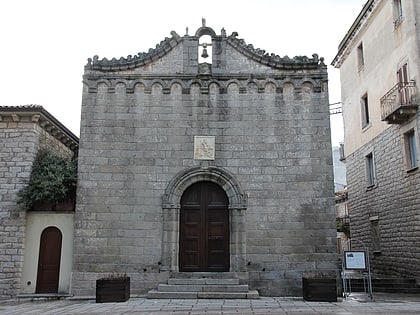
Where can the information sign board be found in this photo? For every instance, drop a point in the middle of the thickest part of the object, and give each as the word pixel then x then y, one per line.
pixel 355 260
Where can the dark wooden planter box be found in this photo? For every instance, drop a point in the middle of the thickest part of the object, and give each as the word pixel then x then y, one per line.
pixel 112 290
pixel 319 290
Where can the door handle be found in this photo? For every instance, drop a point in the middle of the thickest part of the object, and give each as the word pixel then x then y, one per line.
pixel 215 238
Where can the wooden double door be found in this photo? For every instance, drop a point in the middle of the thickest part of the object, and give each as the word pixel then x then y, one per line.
pixel 204 229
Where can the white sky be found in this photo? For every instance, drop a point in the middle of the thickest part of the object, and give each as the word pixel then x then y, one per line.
pixel 44 44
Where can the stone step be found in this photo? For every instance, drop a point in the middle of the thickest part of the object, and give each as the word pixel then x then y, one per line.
pixel 155 294
pixel 43 296
pixel 202 285
pixel 203 275
pixel 202 288
pixel 203 281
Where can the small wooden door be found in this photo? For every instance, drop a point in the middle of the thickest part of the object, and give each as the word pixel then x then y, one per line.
pixel 49 261
pixel 204 229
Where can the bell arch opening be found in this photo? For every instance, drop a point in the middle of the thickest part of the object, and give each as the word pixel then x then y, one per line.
pixel 205 49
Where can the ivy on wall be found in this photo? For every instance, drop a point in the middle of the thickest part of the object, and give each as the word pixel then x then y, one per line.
pixel 53 179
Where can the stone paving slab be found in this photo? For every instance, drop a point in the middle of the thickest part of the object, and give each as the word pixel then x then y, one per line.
pixel 381 304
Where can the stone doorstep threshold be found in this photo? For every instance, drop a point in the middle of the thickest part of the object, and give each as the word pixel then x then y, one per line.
pixel 56 296
pixel 45 296
pixel 92 297
pixel 155 294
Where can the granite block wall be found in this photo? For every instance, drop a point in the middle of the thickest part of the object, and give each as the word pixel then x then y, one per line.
pixel 20 137
pixel 385 216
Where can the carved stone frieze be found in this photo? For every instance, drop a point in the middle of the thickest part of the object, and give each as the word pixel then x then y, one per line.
pixel 244 84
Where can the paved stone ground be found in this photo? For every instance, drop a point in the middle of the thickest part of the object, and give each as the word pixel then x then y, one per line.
pixel 381 304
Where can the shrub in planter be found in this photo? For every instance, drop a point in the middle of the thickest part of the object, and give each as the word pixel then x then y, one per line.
pixel 319 287
pixel 113 289
pixel 52 181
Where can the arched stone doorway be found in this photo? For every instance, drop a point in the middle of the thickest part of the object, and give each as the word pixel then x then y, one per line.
pixel 171 205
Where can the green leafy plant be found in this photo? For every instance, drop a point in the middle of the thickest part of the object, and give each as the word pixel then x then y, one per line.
pixel 53 179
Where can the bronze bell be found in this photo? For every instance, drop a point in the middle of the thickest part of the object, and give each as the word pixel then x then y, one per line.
pixel 204 53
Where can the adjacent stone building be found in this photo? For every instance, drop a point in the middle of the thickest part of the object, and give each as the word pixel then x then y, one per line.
pixel 204 155
pixel 24 130
pixel 379 65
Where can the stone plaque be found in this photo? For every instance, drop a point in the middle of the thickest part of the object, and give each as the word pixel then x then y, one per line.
pixel 204 147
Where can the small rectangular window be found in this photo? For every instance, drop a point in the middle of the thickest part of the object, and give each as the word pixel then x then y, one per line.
pixel 398 13
pixel 339 245
pixel 411 150
pixel 370 170
pixel 365 111
pixel 360 57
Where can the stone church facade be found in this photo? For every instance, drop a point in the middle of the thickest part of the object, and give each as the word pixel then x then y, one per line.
pixel 204 164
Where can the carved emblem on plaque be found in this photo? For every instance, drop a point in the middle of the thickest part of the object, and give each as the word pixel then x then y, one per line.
pixel 204 147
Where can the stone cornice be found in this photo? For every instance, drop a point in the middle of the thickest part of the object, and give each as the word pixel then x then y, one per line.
pixel 186 77
pixel 138 60
pixel 352 32
pixel 273 60
pixel 38 115
pixel 165 46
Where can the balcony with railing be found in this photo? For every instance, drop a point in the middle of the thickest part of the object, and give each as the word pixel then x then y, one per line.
pixel 399 104
pixel 343 224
